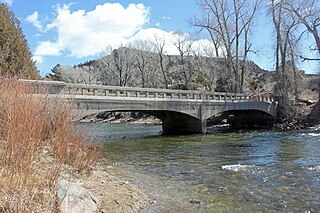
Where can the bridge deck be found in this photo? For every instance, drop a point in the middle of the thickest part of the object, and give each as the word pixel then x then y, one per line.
pixel 136 92
pixel 180 110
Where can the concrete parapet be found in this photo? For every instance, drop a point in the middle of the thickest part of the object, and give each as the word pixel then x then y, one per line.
pixel 181 111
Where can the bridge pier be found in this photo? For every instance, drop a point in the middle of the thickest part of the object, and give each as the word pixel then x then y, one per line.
pixel 171 127
pixel 177 124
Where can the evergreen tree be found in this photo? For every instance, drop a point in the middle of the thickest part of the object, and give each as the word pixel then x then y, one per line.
pixel 15 55
pixel 56 74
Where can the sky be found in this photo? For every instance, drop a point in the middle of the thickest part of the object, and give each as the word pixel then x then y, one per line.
pixel 69 32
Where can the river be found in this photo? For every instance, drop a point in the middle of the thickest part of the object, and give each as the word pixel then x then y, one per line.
pixel 244 171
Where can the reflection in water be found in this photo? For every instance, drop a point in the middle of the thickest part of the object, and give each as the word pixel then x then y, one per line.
pixel 222 172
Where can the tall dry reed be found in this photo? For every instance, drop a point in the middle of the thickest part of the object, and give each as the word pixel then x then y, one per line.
pixel 36 138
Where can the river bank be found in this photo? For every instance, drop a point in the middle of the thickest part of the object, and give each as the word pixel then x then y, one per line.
pixel 120 192
pixel 121 117
pixel 120 188
pixel 113 194
pixel 117 188
pixel 191 170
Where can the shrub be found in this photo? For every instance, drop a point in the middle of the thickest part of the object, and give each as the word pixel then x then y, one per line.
pixel 36 138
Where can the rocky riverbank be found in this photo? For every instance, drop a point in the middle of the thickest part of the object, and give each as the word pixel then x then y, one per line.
pixel 110 192
pixel 305 114
pixel 121 117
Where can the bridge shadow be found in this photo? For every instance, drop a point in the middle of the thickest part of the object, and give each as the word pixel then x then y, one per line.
pixel 177 123
pixel 173 123
pixel 241 119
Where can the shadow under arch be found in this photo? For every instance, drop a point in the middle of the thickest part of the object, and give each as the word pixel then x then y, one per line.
pixel 177 123
pixel 173 122
pixel 243 119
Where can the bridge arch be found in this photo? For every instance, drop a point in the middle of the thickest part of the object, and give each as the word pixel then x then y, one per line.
pixel 173 122
pixel 182 111
pixel 179 116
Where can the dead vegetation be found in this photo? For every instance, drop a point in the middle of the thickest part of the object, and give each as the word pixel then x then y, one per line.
pixel 36 138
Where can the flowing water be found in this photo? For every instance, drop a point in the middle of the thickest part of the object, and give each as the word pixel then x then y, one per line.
pixel 250 171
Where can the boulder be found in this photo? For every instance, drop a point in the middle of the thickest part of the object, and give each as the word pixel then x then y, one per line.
pixel 73 198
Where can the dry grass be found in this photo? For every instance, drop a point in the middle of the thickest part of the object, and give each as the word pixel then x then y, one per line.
pixel 36 138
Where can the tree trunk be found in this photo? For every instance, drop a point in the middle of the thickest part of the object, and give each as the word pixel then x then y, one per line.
pixel 163 71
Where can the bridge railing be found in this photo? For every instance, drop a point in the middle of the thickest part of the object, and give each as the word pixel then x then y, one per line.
pixel 56 87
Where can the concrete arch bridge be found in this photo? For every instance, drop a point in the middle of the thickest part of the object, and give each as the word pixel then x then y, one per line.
pixel 181 111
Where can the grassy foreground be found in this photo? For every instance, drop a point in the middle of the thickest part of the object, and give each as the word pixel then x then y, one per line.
pixel 36 139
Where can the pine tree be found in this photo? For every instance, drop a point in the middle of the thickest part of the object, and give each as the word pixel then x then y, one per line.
pixel 15 55
pixel 56 74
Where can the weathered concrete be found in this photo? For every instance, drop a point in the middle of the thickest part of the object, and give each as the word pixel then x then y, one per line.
pixel 178 116
pixel 180 111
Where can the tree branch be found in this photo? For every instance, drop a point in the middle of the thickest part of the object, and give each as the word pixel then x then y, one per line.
pixel 308 59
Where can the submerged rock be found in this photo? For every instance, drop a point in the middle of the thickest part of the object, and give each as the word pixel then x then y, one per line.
pixel 73 198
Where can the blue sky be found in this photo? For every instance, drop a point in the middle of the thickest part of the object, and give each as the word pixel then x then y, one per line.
pixel 69 32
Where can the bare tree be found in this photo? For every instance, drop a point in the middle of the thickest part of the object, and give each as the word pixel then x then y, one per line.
pixel 307 11
pixel 123 65
pixel 159 44
pixel 70 75
pixel 87 74
pixel 82 73
pixel 183 44
pixel 209 23
pixel 105 67
pixel 208 66
pixel 247 22
pixel 229 24
pixel 285 25
pixel 143 61
pixel 116 66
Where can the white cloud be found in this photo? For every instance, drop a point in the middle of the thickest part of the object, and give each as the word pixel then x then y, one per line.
pixel 34 20
pixel 8 2
pixel 82 33
pixel 200 46
pixel 152 34
pixel 87 33
pixel 47 48
pixel 37 59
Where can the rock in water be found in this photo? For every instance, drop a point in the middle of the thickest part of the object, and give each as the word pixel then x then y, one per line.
pixel 74 198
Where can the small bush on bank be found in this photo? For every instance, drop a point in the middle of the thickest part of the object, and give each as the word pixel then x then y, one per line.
pixel 36 138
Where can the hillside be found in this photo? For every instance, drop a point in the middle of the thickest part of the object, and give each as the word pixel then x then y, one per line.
pixel 132 67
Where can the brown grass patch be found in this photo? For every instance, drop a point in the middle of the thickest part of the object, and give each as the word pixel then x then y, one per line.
pixel 36 138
